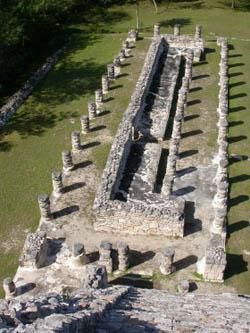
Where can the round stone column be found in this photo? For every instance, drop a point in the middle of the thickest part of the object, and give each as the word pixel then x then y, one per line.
pixel 111 71
pixel 157 30
pixel 92 110
pixel 99 100
pixel 80 257
pixel 219 221
pixel 117 67
pixel 44 205
pixel 177 30
pixel 76 141
pixel 123 256
pixel 122 55
pixel 198 32
pixel 166 261
pixel 105 84
pixel 105 258
pixel 57 183
pixel 67 161
pixel 85 124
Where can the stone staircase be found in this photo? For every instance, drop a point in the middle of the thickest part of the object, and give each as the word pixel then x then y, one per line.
pixel 143 310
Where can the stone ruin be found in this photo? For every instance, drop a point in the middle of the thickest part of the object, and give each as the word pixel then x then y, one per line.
pixel 127 201
pixel 69 291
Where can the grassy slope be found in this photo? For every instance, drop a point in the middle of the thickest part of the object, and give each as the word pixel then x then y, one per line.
pixel 31 143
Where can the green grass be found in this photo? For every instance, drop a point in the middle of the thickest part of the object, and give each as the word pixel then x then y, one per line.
pixel 32 141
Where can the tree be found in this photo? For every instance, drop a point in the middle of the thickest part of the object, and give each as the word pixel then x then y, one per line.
pixel 137 11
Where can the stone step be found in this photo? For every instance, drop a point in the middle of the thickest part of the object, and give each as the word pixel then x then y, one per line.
pixel 143 310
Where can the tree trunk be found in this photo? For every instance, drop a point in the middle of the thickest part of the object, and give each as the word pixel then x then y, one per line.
pixel 137 15
pixel 156 7
pixel 233 4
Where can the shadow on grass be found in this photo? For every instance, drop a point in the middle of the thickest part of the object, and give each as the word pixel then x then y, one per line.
pixel 191 133
pixel 236 123
pixel 191 117
pixel 188 153
pixel 237 179
pixel 238 138
pixel 67 82
pixel 235 265
pixel 237 109
pixel 174 21
pixel 237 200
pixel 231 228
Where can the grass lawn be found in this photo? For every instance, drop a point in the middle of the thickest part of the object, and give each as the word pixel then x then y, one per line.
pixel 32 141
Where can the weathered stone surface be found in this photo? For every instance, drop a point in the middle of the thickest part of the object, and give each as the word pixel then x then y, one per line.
pixel 35 249
pixel 95 277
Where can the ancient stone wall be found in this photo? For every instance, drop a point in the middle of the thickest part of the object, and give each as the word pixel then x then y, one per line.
pixel 16 100
pixel 213 264
pixel 146 213
pixel 165 216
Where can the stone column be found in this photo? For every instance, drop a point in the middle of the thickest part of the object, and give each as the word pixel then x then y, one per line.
pixel 198 32
pixel 219 222
pixel 221 174
pixel 117 67
pixel 79 255
pixel 92 110
pixel 85 124
pixel 220 198
pixel 123 256
pixel 57 183
pixel 111 71
pixel 166 261
pixel 122 55
pixel 9 288
pixel 76 141
pixel 177 30
pixel 105 84
pixel 157 30
pixel 44 205
pixel 188 70
pixel 214 264
pixel 132 36
pixel 183 287
pixel 185 83
pixel 177 125
pixel 126 48
pixel 99 100
pixel 67 161
pixel 105 258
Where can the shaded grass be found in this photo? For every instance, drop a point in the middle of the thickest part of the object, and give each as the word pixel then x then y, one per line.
pixel 239 205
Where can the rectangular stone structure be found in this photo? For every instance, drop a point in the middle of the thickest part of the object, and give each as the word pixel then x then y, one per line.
pixel 34 253
pixel 126 201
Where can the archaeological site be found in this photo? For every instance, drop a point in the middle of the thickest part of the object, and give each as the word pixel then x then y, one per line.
pixel 140 246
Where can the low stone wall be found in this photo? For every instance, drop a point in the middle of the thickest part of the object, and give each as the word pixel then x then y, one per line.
pixel 187 43
pixel 16 100
pixel 165 218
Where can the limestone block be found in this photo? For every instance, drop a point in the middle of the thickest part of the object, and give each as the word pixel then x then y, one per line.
pixel 35 249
